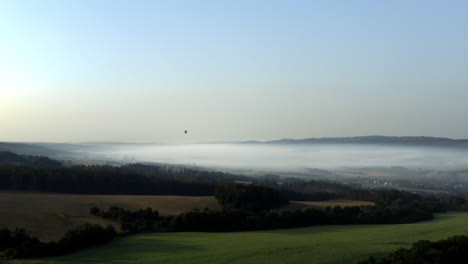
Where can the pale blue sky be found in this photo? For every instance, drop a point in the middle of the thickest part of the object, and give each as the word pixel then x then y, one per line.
pixel 144 71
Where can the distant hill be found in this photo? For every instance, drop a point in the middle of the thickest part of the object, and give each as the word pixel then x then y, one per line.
pixel 380 140
pixel 27 148
pixel 113 152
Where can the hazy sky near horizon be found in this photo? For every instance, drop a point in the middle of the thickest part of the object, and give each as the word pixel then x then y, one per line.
pixel 145 71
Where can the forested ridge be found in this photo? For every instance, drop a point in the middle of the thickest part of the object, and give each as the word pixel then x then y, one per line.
pixel 96 180
pixel 10 158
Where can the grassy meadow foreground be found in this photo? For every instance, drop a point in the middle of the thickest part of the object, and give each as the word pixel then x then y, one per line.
pixel 49 216
pixel 320 244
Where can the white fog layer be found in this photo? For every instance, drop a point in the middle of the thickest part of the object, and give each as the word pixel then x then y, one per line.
pixel 290 157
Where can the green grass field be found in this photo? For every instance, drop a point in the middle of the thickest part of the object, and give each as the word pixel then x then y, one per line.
pixel 323 244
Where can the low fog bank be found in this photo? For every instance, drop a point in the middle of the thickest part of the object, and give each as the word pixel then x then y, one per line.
pixel 270 157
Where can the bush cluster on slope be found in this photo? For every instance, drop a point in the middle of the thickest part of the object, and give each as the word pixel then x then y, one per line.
pixel 453 250
pixel 17 244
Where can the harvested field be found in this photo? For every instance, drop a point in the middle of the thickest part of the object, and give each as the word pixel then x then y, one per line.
pixel 49 216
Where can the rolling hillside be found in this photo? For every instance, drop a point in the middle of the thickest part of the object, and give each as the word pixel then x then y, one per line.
pixel 315 245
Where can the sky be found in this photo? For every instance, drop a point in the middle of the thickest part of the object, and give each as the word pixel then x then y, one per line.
pixel 145 71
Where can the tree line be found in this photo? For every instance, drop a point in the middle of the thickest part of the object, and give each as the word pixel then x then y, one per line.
pixel 207 220
pixel 250 207
pixel 96 180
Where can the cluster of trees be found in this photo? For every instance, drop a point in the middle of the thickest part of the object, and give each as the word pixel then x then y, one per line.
pixel 237 220
pixel 240 220
pixel 96 180
pixel 251 207
pixel 323 190
pixel 134 222
pixel 311 186
pixel 312 190
pixel 17 244
pixel 180 172
pixel 447 251
pixel 453 203
pixel 251 198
